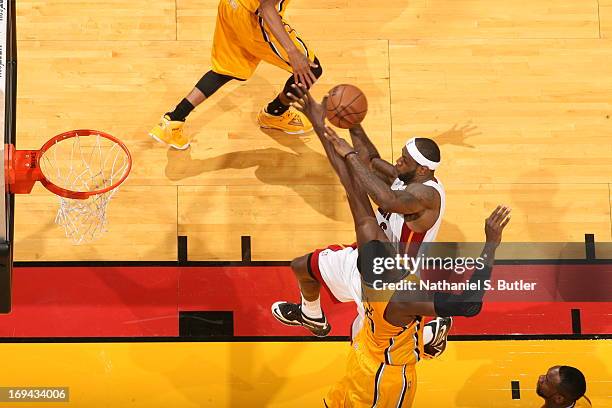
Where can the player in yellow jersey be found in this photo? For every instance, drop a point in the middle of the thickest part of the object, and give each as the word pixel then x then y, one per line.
pixel 563 387
pixel 381 366
pixel 246 32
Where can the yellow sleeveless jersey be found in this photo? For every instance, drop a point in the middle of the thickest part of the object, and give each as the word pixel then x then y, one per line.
pixel 242 40
pixel 386 343
pixel 251 5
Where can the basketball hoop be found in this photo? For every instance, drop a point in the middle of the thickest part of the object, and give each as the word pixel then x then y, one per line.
pixel 84 168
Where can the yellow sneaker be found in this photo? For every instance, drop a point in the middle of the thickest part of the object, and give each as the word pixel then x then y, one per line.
pixel 170 132
pixel 292 121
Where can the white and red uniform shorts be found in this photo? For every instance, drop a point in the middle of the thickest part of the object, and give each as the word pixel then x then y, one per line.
pixel 335 268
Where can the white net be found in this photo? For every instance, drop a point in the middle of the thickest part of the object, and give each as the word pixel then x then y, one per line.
pixel 84 164
pixel 84 220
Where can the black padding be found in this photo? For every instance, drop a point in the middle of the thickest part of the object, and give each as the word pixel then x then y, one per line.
pixel 447 304
pixel 318 71
pixel 211 82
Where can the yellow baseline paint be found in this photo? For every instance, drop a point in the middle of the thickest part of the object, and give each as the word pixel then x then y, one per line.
pixel 469 374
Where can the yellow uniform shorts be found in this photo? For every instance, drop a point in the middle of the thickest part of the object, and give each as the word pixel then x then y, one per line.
pixel 369 383
pixel 242 40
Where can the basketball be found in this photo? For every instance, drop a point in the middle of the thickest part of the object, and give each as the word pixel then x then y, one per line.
pixel 346 106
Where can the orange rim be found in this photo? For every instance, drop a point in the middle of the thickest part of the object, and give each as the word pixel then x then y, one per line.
pixel 81 195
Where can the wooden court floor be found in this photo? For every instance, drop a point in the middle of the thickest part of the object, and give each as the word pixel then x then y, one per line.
pixel 185 375
pixel 518 95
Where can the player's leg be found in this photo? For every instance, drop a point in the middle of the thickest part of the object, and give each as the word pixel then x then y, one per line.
pixel 210 83
pixel 339 393
pixel 278 114
pixel 229 61
pixel 393 386
pixel 369 383
pixel 308 312
pixel 332 269
pixel 310 288
pixel 170 128
pixel 282 102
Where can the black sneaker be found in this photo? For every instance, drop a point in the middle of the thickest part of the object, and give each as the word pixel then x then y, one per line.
pixel 440 327
pixel 291 315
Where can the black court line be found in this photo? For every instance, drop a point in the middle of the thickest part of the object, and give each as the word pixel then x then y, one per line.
pixel 283 339
pixel 245 245
pixel 516 390
pixel 181 246
pixel 576 324
pixel 246 259
pixel 589 246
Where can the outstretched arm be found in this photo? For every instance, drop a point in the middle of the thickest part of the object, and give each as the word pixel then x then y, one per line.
pixel 468 303
pixel 366 225
pixel 303 101
pixel 337 151
pixel 299 62
pixel 370 156
pixel 415 198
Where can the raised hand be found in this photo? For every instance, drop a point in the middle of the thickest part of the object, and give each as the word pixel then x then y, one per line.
pixel 302 74
pixel 495 224
pixel 341 146
pixel 304 102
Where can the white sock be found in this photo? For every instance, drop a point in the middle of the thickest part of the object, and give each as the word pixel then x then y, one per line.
pixel 312 309
pixel 427 334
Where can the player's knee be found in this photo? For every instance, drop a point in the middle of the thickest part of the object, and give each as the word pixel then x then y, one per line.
pixel 211 82
pixel 300 267
pixel 318 70
pixel 367 229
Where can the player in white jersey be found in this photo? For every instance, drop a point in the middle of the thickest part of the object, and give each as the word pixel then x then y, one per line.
pixel 398 228
pixel 411 204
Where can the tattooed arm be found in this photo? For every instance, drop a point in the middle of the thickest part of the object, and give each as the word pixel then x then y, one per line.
pixel 366 226
pixel 370 156
pixel 415 198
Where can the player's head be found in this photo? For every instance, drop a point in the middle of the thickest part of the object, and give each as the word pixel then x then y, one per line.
pixel 561 385
pixel 375 262
pixel 420 156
